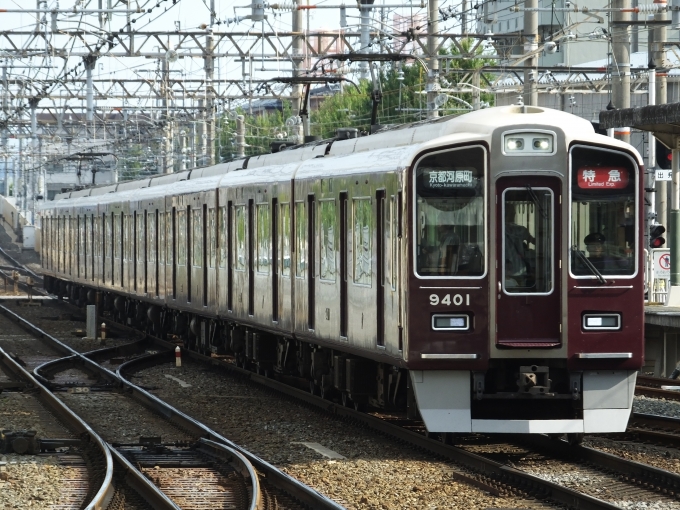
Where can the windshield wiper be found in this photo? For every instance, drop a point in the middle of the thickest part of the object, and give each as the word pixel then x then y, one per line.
pixel 588 264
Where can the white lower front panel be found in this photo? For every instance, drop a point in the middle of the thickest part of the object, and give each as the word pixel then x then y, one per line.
pixel 443 398
pixel 444 402
pixel 605 420
pixel 528 426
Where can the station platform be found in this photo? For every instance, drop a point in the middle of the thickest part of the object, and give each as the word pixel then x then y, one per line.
pixel 664 316
pixel 662 340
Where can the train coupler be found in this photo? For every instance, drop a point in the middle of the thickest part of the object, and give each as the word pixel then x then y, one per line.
pixel 534 380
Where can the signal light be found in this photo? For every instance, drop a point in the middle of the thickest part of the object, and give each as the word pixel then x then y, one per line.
pixel 664 156
pixel 655 236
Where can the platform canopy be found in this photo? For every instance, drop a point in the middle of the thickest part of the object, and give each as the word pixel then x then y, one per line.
pixel 663 120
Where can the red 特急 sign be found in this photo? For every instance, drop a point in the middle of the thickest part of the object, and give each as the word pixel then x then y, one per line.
pixel 606 177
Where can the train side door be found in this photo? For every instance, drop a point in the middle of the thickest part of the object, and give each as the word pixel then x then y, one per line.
pixel 528 274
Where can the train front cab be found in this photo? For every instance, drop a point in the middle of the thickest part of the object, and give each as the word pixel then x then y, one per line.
pixel 529 331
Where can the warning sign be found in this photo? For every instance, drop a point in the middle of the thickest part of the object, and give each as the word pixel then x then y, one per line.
pixel 662 263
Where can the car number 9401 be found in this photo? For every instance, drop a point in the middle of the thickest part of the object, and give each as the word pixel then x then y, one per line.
pixel 456 300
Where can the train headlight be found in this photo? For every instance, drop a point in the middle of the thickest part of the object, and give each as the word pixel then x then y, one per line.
pixel 601 321
pixel 529 143
pixel 514 144
pixel 542 144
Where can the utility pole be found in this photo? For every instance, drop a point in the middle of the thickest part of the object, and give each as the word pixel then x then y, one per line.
pixel 463 17
pixel 620 66
pixel 209 100
pixel 296 90
pixel 240 136
pixel 34 150
pixel 168 149
pixel 530 45
pixel 433 59
pixel 658 59
pixel 89 62
pixel 5 103
pixel 365 35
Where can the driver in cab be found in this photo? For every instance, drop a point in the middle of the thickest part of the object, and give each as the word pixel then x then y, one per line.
pixel 598 256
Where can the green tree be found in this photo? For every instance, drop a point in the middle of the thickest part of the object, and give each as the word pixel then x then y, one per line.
pixel 404 99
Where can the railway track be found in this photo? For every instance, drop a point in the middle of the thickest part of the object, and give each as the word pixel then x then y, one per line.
pixel 89 480
pixel 655 429
pixel 493 477
pixel 630 480
pixel 652 387
pixel 95 391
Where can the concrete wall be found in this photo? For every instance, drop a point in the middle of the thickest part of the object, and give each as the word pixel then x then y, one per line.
pixel 11 216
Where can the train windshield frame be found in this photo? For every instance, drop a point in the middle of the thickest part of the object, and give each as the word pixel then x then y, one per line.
pixel 449 221
pixel 603 213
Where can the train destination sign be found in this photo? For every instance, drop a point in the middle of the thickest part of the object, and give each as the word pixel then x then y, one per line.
pixel 602 177
pixel 450 179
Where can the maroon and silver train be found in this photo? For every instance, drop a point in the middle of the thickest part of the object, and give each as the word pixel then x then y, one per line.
pixel 487 268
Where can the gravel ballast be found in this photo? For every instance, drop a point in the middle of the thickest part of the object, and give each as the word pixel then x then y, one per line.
pixel 375 473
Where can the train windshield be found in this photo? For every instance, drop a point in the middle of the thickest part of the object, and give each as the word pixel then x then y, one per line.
pixel 528 240
pixel 449 214
pixel 603 213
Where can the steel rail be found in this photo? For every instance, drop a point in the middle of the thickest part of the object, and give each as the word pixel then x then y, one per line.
pixel 274 475
pixel 636 471
pixel 654 382
pixel 140 483
pixel 649 391
pixel 19 264
pixel 158 499
pixel 651 387
pixel 549 490
pixel 104 494
pixel 663 430
pixel 241 464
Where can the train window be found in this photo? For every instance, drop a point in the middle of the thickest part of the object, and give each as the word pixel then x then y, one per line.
pixel 181 237
pixel 108 239
pixel 82 233
pixel 449 214
pixel 141 238
pixel 170 238
pixel 212 236
pixel 327 251
pixel 222 232
pixel 300 239
pixel 604 219
pixel 59 238
pixel 263 238
pixel 391 242
pixel 240 238
pixel 161 238
pixel 362 216
pixel 126 236
pixel 284 229
pixel 528 239
pixel 196 238
pixel 116 236
pixel 151 239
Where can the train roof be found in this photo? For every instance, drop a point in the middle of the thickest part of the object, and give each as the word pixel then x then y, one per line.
pixel 391 148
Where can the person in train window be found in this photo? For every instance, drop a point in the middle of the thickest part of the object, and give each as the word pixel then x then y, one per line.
pixel 517 239
pixel 596 244
pixel 441 258
pixel 449 244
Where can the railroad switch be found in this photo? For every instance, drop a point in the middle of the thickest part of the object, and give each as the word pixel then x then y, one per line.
pixel 20 441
